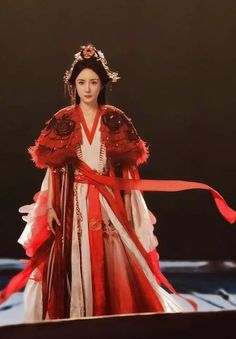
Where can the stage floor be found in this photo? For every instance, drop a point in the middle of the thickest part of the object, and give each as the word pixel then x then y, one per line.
pixel 212 285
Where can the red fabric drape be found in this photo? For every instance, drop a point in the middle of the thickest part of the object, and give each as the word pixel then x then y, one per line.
pixel 96 250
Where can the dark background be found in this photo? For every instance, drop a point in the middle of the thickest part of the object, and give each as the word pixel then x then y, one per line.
pixel 176 59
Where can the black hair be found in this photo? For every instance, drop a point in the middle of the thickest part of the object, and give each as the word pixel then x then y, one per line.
pixel 98 68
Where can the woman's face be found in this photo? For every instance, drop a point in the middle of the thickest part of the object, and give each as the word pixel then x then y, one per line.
pixel 88 86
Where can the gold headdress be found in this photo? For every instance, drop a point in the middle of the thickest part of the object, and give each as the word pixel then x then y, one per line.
pixel 86 52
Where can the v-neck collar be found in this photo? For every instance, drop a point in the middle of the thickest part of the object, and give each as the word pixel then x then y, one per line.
pixel 89 134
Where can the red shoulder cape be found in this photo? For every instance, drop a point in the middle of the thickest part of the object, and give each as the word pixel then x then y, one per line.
pixel 56 145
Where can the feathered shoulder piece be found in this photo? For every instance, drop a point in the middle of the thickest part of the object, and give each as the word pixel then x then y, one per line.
pixel 56 145
pixel 123 144
pixel 57 142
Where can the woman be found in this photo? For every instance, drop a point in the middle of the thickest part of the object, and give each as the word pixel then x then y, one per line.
pixel 89 233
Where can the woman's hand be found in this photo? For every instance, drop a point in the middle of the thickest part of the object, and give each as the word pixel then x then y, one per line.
pixel 51 217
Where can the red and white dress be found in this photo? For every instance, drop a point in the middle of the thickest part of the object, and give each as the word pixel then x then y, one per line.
pixel 99 262
pixel 109 274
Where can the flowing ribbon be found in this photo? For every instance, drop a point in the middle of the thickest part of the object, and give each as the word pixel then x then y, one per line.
pixel 86 174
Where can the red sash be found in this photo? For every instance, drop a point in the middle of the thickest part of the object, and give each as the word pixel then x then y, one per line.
pixel 90 176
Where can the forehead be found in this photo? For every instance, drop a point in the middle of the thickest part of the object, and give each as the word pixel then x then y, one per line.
pixel 87 73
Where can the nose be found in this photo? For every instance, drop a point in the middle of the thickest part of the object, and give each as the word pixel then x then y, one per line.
pixel 87 88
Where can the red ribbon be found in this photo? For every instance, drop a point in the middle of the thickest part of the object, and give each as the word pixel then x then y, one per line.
pixel 91 176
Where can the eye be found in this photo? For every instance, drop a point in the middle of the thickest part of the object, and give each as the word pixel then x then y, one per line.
pixel 94 82
pixel 80 82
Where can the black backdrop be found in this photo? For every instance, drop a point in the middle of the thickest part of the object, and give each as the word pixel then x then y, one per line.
pixel 177 63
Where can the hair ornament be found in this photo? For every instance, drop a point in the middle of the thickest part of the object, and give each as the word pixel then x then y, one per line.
pixel 86 52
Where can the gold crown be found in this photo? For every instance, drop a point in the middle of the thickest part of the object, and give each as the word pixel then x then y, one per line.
pixel 86 52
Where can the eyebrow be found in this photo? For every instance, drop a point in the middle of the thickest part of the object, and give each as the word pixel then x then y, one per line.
pixel 89 79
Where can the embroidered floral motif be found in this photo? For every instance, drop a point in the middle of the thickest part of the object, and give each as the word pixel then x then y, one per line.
pixel 64 126
pixel 113 120
pixel 95 225
pixel 109 229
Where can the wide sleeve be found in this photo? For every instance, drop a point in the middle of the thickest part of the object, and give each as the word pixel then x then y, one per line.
pixel 137 209
pixel 35 231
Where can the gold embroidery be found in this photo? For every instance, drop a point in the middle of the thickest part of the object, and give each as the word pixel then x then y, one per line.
pixel 78 212
pixel 109 229
pixel 95 225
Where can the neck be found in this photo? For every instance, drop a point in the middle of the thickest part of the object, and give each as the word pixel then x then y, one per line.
pixel 89 109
